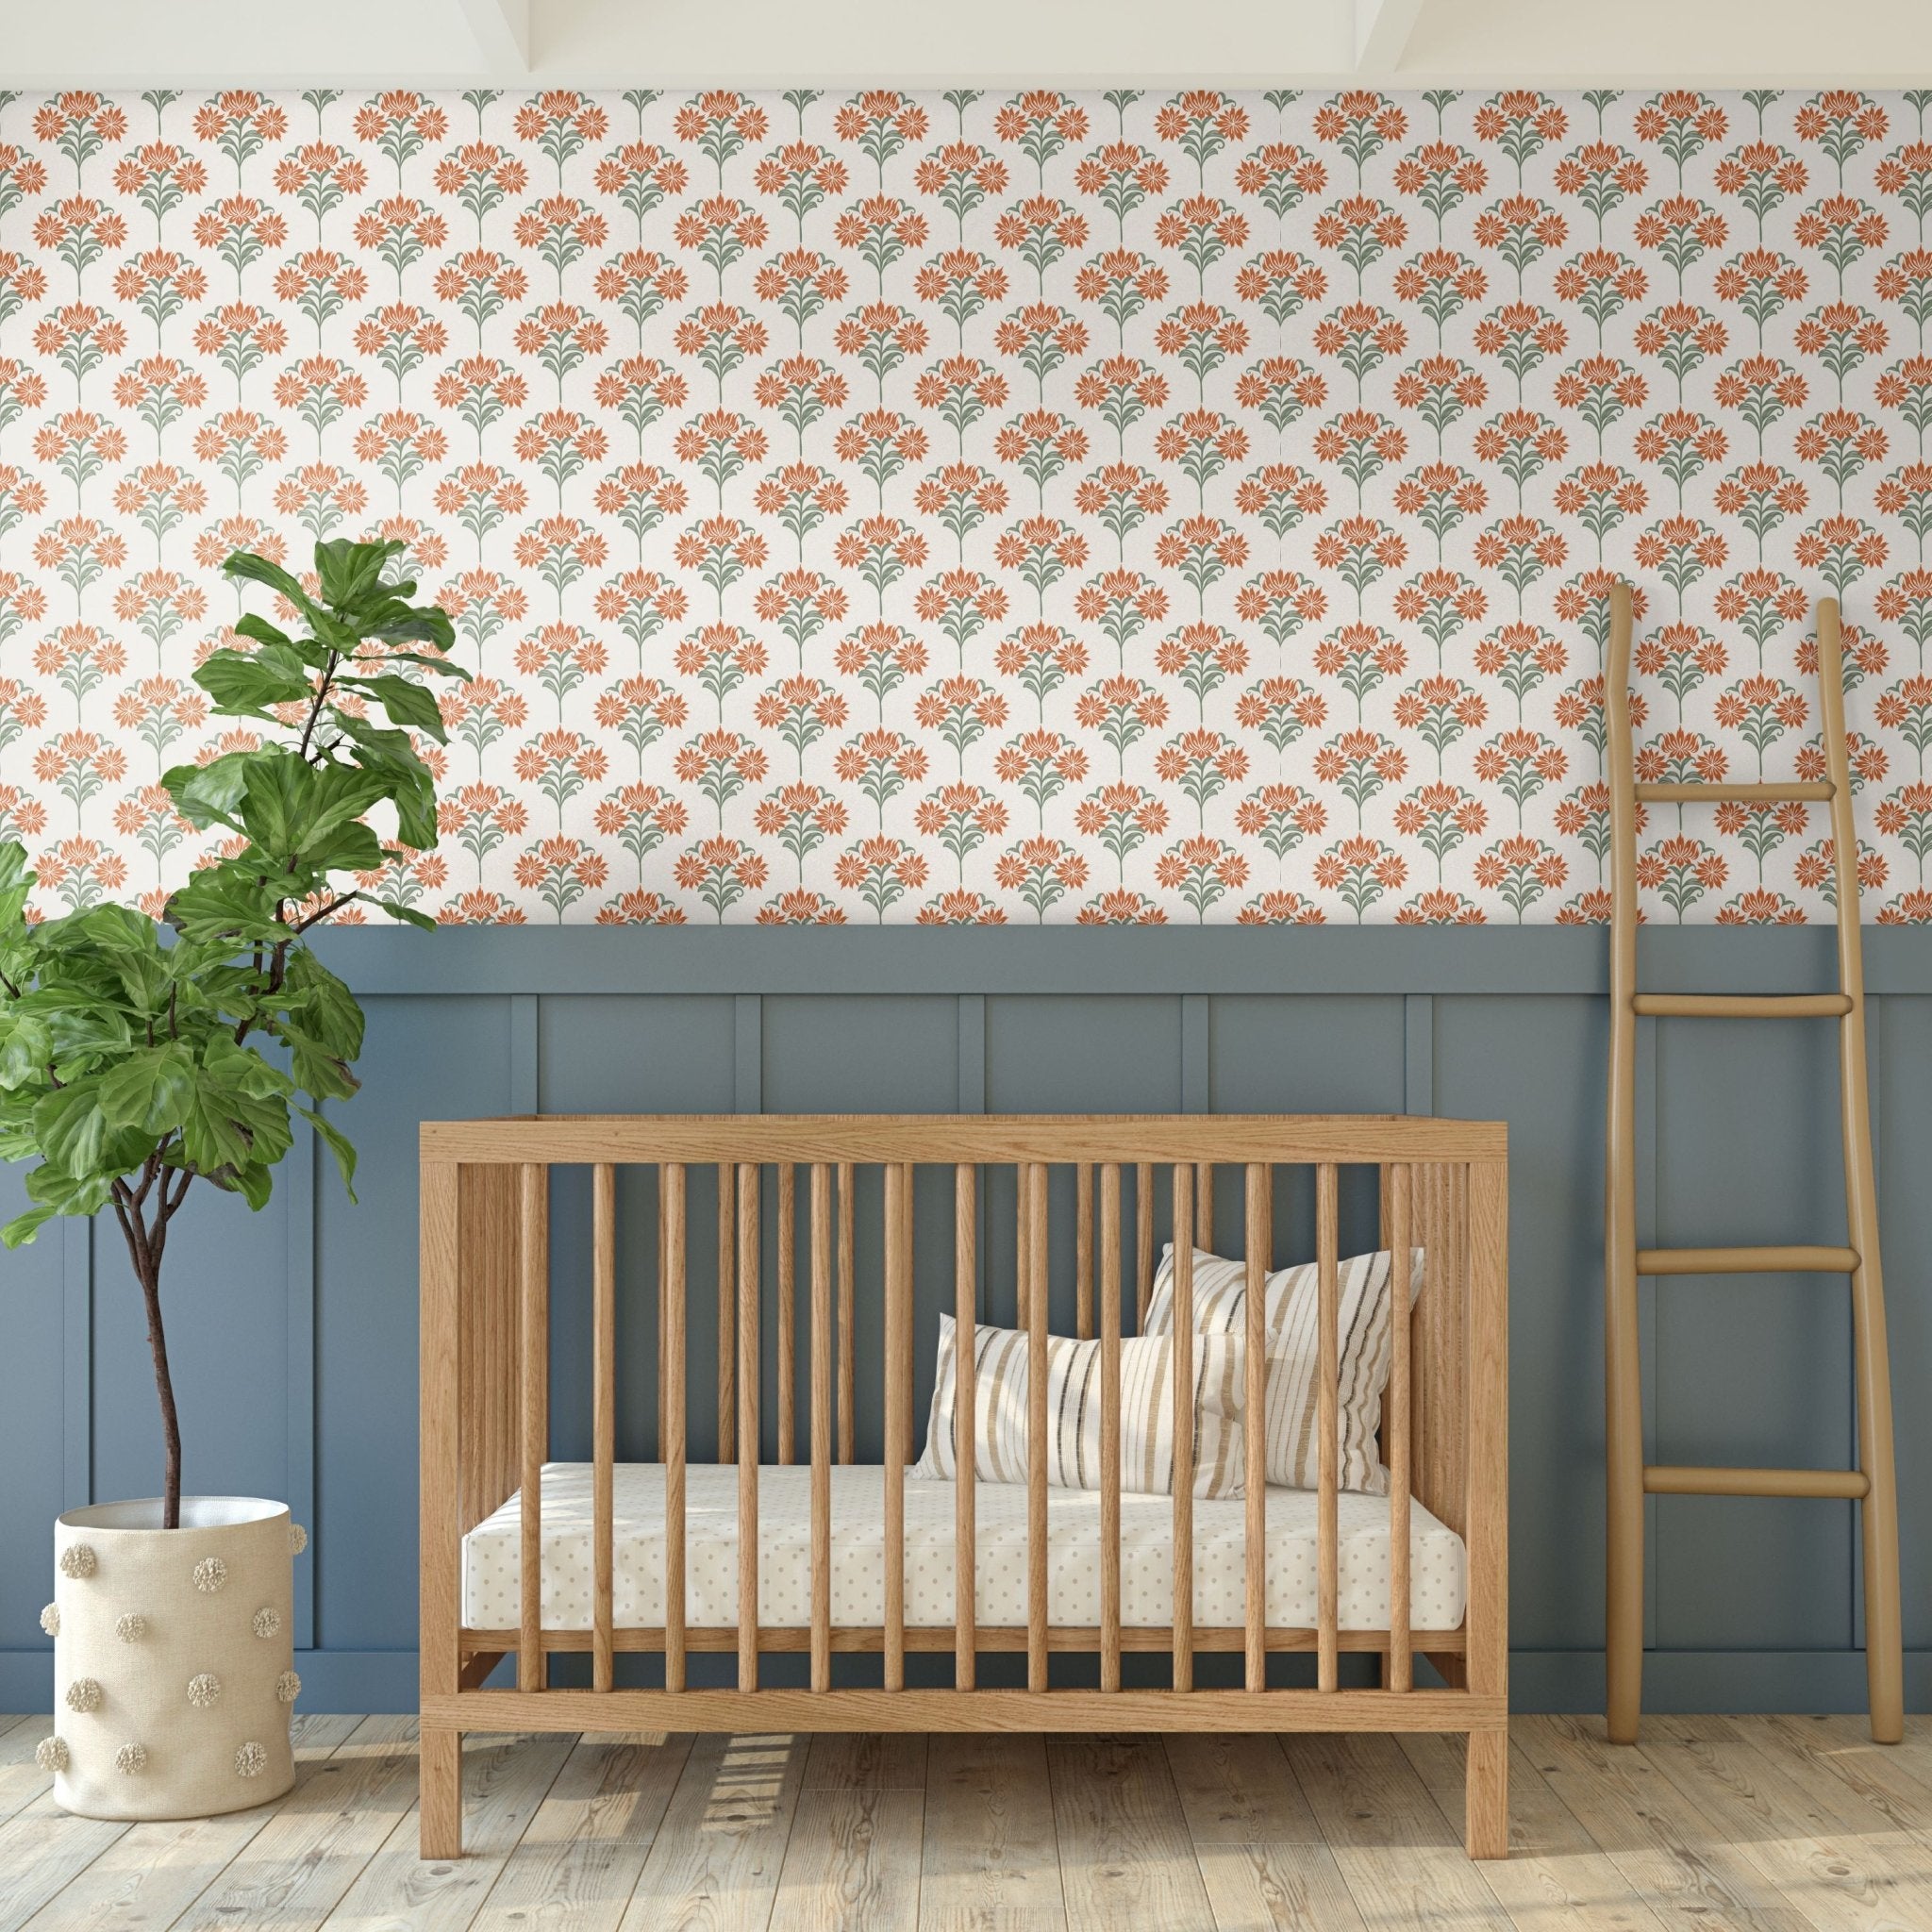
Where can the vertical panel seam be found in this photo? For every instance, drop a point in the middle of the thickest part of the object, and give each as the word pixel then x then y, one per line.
pixel 1197 1046
pixel 299 1344
pixel 748 1053
pixel 1650 1171
pixel 1418 1052
pixel 972 1024
pixel 525 1073
pixel 77 1367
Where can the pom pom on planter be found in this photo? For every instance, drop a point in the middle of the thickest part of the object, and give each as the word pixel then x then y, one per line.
pixel 77 1559
pixel 266 1622
pixel 130 1628
pixel 130 1759
pixel 84 1693
pixel 50 1620
pixel 251 1760
pixel 298 1539
pixel 288 1687
pixel 50 1753
pixel 203 1688
pixel 209 1574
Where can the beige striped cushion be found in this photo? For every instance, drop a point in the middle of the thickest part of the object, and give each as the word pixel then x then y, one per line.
pixel 1073 1409
pixel 1293 1302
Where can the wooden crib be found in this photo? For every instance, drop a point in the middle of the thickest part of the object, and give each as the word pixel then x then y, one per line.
pixel 1441 1186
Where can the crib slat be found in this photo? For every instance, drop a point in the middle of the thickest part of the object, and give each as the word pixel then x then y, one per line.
pixel 898 1311
pixel 965 1447
pixel 1083 1250
pixel 727 1323
pixel 748 1435
pixel 1111 1426
pixel 1144 1244
pixel 821 1427
pixel 1204 1205
pixel 907 1453
pixel 535 1376
pixel 671 1381
pixel 1401 1662
pixel 663 1316
pixel 788 1310
pixel 848 1357
pixel 604 1415
pixel 1034 1288
pixel 1182 1372
pixel 1328 1375
pixel 1255 1537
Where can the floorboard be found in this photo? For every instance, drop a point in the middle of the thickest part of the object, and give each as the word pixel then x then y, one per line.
pixel 715 1863
pixel 1401 1859
pixel 853 1864
pixel 1126 1855
pixel 152 1872
pixel 575 1867
pixel 505 1779
pixel 1670 1851
pixel 991 1863
pixel 1709 1824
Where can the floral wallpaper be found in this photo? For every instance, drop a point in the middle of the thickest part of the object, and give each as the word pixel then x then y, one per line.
pixel 980 507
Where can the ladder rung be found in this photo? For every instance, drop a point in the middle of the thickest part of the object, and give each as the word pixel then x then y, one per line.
pixel 1663 1479
pixel 1803 792
pixel 1785 1260
pixel 1741 1005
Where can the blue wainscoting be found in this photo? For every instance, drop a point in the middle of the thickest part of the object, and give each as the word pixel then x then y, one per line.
pixel 293 1331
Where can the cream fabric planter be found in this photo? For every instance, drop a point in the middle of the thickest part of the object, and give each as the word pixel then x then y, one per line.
pixel 173 1659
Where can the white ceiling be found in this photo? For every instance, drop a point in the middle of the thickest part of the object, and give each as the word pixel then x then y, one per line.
pixel 614 43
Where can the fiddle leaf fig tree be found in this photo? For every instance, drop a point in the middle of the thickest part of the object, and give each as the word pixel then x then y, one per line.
pixel 137 1055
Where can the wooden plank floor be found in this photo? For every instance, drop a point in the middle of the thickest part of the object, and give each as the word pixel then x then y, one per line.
pixel 1720 1825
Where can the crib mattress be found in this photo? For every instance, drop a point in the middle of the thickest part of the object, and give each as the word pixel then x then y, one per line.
pixel 1438 1567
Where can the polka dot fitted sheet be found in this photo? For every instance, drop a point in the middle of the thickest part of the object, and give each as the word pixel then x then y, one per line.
pixel 491 1572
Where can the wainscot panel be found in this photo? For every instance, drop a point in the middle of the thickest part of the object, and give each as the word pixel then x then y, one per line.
pixel 295 1329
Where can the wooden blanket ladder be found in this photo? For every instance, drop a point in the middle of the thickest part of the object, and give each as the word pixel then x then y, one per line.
pixel 1872 1483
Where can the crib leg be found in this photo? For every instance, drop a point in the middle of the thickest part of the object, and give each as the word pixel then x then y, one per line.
pixel 1486 1795
pixel 440 1771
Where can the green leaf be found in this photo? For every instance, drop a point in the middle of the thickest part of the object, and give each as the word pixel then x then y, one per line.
pixel 258 570
pixel 346 848
pixel 24 1227
pixel 150 1091
pixel 326 1008
pixel 247 684
pixel 70 1127
pixel 277 791
pixel 255 1183
pixel 407 703
pixel 205 795
pixel 16 883
pixel 337 1144
pixel 348 571
pixel 408 914
pixel 26 1046
pixel 214 1133
pixel 407 779
pixel 224 900
pixel 319 1071
pixel 437 667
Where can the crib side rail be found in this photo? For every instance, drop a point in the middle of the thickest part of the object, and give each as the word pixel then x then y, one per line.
pixel 485 1373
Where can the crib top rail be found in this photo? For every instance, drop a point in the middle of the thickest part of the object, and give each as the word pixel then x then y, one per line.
pixel 1287 1140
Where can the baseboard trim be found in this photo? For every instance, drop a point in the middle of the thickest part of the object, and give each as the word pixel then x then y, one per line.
pixel 1540 1680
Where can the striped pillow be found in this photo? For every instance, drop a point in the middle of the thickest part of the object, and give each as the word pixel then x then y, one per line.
pixel 1293 1304
pixel 1072 1407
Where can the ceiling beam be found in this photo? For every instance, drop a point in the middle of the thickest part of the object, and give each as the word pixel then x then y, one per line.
pixel 501 32
pixel 1382 30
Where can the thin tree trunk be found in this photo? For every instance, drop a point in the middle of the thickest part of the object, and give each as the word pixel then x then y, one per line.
pixel 146 1243
pixel 147 1268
